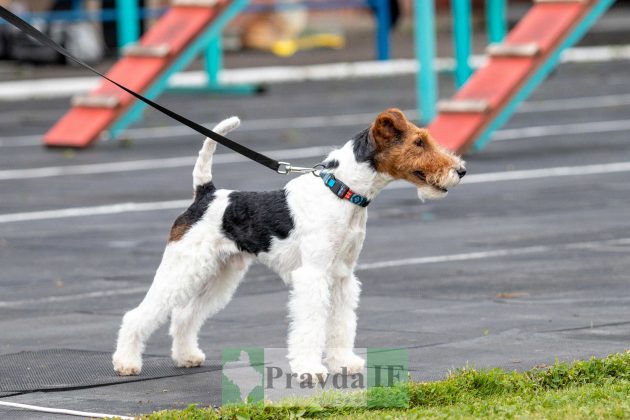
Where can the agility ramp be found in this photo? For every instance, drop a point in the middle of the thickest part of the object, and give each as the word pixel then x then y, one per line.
pixel 514 70
pixel 187 29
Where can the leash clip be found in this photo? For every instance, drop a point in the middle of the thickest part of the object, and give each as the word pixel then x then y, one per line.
pixel 286 168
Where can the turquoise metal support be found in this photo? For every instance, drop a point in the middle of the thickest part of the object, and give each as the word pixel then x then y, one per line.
pixel 383 27
pixel 424 44
pixel 195 49
pixel 541 74
pixel 213 59
pixel 128 22
pixel 462 38
pixel 496 20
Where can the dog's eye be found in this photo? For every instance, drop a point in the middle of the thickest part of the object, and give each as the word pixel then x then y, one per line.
pixel 420 143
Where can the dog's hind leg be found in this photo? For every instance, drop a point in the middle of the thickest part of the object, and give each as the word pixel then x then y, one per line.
pixel 186 321
pixel 137 326
pixel 179 277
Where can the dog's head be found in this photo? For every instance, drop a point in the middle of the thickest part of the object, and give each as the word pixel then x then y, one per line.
pixel 407 152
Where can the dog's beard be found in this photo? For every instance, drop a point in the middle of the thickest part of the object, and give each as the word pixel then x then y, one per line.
pixel 436 189
pixel 427 192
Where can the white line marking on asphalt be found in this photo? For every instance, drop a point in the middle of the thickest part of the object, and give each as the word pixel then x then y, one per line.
pixel 562 129
pixel 558 171
pixel 150 164
pixel 93 211
pixel 537 249
pixel 249 125
pixel 377 265
pixel 572 104
pixel 65 87
pixel 451 258
pixel 69 298
pixel 83 414
pixel 519 175
pixel 550 105
pixel 297 153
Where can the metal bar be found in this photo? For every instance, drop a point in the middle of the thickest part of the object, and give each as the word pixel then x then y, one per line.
pixel 194 49
pixel 426 79
pixel 103 15
pixel 462 38
pixel 541 74
pixel 128 22
pixel 214 61
pixel 496 20
pixel 383 27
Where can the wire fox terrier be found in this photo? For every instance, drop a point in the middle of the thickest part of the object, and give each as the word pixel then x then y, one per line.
pixel 310 233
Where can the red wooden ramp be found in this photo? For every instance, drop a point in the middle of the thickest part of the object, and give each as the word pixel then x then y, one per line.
pixel 508 77
pixel 142 65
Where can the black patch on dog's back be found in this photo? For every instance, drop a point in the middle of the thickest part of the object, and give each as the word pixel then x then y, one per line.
pixel 204 194
pixel 364 148
pixel 253 218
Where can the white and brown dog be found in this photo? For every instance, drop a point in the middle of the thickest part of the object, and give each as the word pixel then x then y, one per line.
pixel 310 233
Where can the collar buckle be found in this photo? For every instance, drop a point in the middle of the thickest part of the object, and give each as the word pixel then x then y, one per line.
pixel 286 168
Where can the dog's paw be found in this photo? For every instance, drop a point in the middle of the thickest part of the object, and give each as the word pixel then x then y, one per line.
pixel 191 359
pixel 127 366
pixel 349 363
pixel 309 372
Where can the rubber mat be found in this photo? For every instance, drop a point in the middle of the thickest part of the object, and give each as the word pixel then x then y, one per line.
pixel 62 369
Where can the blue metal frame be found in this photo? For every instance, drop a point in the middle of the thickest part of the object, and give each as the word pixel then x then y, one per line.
pixel 383 27
pixel 424 44
pixel 496 20
pixel 213 60
pixel 80 14
pixel 462 39
pixel 541 74
pixel 128 27
pixel 134 113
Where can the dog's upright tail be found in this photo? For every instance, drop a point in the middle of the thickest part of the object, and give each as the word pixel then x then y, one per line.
pixel 202 174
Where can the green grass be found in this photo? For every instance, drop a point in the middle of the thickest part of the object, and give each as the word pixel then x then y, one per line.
pixel 596 388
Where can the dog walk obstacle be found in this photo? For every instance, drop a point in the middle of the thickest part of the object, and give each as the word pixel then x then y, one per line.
pixel 189 28
pixel 515 67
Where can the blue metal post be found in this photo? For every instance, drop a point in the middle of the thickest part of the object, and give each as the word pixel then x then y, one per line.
pixel 383 27
pixel 128 22
pixel 426 80
pixel 462 38
pixel 214 61
pixel 213 58
pixel 496 20
pixel 77 8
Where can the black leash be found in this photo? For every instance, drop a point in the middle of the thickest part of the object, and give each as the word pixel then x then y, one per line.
pixel 279 167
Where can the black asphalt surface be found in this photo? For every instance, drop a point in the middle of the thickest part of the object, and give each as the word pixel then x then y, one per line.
pixel 548 287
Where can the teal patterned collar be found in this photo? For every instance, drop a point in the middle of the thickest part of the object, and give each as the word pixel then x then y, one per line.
pixel 342 191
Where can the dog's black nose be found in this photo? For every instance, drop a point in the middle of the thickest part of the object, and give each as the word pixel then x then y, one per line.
pixel 461 172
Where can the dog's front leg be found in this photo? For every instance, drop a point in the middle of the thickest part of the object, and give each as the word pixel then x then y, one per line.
pixel 342 323
pixel 342 326
pixel 309 307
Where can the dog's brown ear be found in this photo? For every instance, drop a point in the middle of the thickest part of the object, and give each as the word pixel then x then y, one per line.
pixel 388 125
